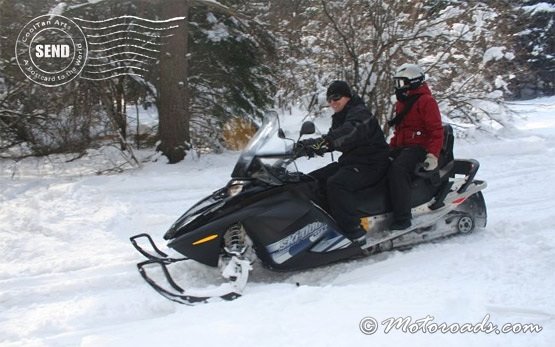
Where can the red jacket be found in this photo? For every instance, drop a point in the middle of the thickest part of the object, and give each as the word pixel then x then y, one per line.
pixel 422 125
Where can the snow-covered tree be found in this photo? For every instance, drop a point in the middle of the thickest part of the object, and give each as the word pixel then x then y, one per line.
pixel 363 41
pixel 34 119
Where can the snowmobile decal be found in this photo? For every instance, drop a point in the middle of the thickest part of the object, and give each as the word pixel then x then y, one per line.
pixel 333 241
pixel 295 243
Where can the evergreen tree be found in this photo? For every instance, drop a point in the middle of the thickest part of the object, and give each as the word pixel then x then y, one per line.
pixel 535 75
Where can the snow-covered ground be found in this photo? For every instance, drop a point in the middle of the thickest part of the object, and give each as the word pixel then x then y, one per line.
pixel 68 275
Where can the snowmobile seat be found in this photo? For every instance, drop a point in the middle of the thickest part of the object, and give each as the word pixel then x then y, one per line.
pixel 426 184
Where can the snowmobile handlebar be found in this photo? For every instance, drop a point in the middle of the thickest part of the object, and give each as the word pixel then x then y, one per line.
pixel 299 150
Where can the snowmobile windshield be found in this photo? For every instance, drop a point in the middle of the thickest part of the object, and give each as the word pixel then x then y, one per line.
pixel 264 144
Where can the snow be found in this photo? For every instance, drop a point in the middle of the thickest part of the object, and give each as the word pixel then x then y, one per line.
pixel 219 31
pixel 539 7
pixel 68 275
pixel 497 53
pixel 58 9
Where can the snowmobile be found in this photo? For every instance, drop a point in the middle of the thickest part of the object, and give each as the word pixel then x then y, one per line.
pixel 272 213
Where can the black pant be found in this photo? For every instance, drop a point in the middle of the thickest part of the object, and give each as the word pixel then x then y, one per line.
pixel 338 184
pixel 400 177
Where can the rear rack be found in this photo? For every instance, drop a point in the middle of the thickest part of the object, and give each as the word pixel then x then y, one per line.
pixel 469 168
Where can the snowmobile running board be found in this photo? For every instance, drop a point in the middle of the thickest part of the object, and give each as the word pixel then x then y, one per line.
pixel 425 219
pixel 236 272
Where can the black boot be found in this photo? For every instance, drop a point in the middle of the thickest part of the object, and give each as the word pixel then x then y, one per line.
pixel 360 241
pixel 400 224
pixel 357 235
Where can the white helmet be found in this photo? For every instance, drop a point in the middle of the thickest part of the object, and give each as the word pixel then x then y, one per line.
pixel 408 76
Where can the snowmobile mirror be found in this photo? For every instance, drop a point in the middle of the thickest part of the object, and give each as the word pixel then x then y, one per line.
pixel 307 128
pixel 281 134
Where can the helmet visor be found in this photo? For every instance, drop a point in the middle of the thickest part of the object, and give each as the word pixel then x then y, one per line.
pixel 401 83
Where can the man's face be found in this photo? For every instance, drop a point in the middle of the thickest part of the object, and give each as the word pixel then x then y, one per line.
pixel 337 102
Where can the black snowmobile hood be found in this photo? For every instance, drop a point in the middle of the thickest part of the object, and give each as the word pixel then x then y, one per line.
pixel 207 205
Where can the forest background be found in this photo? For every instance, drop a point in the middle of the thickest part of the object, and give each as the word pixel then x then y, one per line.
pixel 214 68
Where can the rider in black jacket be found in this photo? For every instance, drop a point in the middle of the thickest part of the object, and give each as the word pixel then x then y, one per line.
pixel 356 133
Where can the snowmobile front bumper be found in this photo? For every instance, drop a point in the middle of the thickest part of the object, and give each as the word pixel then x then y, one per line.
pixel 236 272
pixel 158 255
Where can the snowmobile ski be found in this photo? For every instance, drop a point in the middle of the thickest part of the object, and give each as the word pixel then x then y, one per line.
pixel 236 272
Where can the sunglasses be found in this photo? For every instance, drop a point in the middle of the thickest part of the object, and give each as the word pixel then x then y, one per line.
pixel 334 97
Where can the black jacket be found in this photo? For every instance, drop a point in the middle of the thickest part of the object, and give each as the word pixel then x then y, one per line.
pixel 356 133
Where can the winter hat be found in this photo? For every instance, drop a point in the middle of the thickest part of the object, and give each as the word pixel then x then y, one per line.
pixel 339 88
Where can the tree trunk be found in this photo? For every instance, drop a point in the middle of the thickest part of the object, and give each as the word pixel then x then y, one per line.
pixel 174 96
pixel 121 112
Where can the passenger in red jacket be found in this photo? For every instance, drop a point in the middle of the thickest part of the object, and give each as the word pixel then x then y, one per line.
pixel 417 138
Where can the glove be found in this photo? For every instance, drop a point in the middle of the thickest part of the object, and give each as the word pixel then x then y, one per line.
pixel 315 146
pixel 430 163
pixel 300 151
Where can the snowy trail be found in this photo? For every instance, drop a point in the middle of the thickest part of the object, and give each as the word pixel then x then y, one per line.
pixel 68 275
